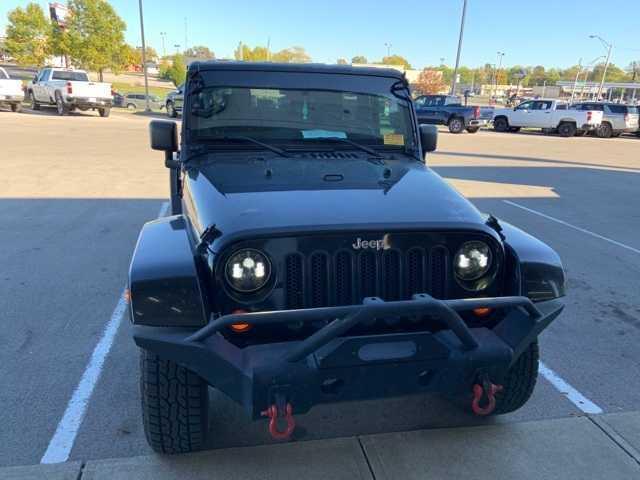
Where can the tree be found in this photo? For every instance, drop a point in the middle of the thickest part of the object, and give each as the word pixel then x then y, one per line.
pixel 59 42
pixel 97 35
pixel 291 55
pixel 200 52
pixel 342 61
pixel 359 59
pixel 174 70
pixel 27 35
pixel 248 54
pixel 429 82
pixel 396 60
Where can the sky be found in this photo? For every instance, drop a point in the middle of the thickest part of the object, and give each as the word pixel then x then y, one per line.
pixel 553 33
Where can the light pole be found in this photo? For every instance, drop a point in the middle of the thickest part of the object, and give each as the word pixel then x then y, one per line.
pixel 454 80
pixel 164 50
pixel 144 61
pixel 575 82
pixel 177 47
pixel 388 45
pixel 498 67
pixel 609 47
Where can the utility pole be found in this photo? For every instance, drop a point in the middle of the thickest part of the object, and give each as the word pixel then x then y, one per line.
pixel 609 47
pixel 186 39
pixel 164 50
pixel 575 82
pixel 454 80
pixel 144 61
pixel 388 45
pixel 498 67
pixel 269 49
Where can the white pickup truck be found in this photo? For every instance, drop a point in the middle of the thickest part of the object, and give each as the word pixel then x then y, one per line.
pixel 11 93
pixel 67 90
pixel 547 114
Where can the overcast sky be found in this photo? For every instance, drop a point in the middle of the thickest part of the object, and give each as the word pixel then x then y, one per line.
pixel 547 32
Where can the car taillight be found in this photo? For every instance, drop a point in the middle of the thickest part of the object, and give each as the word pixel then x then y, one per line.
pixel 69 88
pixel 476 112
pixel 589 116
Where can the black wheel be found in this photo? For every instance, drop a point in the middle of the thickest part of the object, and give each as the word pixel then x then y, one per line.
pixel 456 125
pixel 604 130
pixel 567 129
pixel 104 112
pixel 519 382
pixel 16 107
pixel 34 104
pixel 131 106
pixel 473 129
pixel 175 405
pixel 501 124
pixel 60 106
pixel 171 110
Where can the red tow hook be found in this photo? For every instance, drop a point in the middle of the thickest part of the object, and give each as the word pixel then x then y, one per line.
pixel 274 413
pixel 484 394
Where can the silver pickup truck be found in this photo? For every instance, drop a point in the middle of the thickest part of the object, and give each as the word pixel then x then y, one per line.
pixel 68 90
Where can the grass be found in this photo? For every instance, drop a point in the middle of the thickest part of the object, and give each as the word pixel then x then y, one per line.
pixel 122 87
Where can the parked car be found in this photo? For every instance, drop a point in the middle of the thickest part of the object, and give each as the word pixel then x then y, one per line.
pixel 448 110
pixel 118 99
pixel 137 101
pixel 313 257
pixel 68 90
pixel 617 118
pixel 11 93
pixel 174 100
pixel 547 114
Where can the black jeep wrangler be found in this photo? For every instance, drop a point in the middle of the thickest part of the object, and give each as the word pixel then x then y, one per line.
pixel 312 257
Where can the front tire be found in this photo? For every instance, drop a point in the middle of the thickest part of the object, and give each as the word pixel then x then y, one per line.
pixel 604 130
pixel 34 103
pixel 519 381
pixel 501 124
pixel 175 405
pixel 567 129
pixel 456 125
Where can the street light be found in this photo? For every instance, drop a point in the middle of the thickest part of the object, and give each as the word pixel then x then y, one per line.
pixel 144 61
pixel 388 45
pixel 498 67
pixel 454 80
pixel 163 36
pixel 609 47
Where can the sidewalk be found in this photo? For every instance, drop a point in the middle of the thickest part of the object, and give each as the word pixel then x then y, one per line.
pixel 580 448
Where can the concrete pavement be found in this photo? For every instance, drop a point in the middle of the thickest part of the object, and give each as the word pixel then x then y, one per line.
pixel 580 448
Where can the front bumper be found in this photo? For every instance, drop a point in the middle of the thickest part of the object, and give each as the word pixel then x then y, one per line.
pixel 329 367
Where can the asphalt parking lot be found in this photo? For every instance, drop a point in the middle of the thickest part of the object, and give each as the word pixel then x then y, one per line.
pixel 77 189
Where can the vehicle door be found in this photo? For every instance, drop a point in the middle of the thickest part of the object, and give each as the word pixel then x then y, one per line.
pixel 39 87
pixel 617 115
pixel 178 100
pixel 542 114
pixel 520 115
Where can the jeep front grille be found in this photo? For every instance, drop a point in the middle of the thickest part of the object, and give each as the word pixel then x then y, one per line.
pixel 326 279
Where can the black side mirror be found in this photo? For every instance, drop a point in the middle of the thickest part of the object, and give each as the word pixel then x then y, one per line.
pixel 429 138
pixel 164 135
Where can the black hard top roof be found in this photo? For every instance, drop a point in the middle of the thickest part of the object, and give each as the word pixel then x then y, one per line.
pixel 226 65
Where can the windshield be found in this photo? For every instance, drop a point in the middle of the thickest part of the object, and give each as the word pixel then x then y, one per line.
pixel 70 76
pixel 299 117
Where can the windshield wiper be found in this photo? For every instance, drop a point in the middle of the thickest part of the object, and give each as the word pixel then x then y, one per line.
pixel 272 148
pixel 359 146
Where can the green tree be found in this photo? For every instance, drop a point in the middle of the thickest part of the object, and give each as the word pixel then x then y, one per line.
pixel 200 52
pixel 59 42
pixel 97 35
pixel 359 59
pixel 342 61
pixel 396 60
pixel 291 55
pixel 248 54
pixel 175 69
pixel 27 33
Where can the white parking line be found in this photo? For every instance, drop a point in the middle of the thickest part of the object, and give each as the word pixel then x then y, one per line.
pixel 573 395
pixel 583 230
pixel 64 437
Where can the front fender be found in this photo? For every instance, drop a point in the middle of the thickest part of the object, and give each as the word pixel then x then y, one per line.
pixel 534 268
pixel 164 282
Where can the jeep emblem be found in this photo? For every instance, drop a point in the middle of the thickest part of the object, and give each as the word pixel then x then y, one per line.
pixel 371 244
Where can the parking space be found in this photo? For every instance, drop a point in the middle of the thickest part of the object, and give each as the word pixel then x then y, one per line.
pixel 78 188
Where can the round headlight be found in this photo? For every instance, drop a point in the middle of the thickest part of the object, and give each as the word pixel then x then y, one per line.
pixel 472 261
pixel 248 270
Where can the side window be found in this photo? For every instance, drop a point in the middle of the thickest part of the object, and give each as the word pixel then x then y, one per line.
pixel 562 106
pixel 43 74
pixel 618 109
pixel 525 106
pixel 420 101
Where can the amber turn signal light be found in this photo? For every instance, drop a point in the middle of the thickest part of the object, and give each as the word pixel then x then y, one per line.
pixel 240 327
pixel 482 311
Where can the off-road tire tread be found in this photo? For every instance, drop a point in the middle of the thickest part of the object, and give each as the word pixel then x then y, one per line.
pixel 519 382
pixel 175 404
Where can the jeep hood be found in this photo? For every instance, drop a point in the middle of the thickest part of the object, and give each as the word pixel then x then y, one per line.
pixel 287 195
